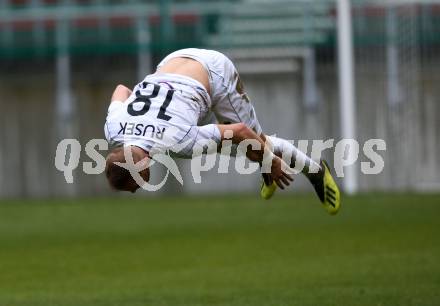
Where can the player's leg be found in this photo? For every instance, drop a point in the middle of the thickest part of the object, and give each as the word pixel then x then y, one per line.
pixel 319 175
pixel 232 105
pixel 294 157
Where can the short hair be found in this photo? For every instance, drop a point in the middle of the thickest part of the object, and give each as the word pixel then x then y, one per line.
pixel 120 178
pixel 117 176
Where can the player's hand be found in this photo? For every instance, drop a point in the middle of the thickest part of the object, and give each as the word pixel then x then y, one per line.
pixel 279 173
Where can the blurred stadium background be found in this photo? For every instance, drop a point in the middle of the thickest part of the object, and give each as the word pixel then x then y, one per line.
pixel 81 244
pixel 60 60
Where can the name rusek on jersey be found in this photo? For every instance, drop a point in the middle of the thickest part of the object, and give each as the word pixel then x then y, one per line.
pixel 139 129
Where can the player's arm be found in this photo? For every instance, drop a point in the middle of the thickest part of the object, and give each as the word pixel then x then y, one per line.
pixel 121 93
pixel 241 132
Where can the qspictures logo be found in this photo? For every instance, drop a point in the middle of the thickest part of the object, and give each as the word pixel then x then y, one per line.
pixel 204 155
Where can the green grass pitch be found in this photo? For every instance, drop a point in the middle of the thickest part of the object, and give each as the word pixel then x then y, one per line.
pixel 218 250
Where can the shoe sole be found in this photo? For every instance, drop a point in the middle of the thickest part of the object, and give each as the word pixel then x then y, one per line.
pixel 332 195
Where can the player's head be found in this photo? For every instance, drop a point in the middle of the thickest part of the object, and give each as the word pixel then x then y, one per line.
pixel 120 178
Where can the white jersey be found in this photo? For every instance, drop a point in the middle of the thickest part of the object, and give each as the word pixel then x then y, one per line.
pixel 165 111
pixel 229 101
pixel 161 114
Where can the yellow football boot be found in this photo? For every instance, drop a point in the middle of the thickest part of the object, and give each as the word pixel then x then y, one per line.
pixel 267 188
pixel 327 190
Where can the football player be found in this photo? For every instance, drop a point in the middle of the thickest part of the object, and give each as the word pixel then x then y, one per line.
pixel 173 107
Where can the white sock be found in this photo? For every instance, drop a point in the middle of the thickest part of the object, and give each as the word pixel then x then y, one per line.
pixel 295 158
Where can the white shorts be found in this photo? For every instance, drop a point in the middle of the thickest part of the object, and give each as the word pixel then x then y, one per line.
pixel 229 102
